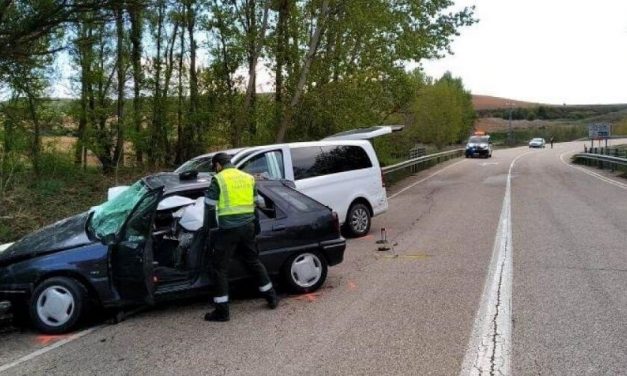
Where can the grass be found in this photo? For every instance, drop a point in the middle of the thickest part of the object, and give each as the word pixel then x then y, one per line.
pixel 60 191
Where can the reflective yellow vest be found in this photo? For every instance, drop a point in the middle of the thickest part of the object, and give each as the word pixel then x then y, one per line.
pixel 236 192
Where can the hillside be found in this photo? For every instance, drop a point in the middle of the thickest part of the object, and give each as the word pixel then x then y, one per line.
pixel 486 102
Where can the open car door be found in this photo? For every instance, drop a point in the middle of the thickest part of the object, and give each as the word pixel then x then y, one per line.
pixel 132 253
pixel 365 133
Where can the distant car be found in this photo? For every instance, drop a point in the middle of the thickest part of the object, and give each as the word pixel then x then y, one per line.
pixel 537 143
pixel 479 146
pixel 149 243
pixel 341 171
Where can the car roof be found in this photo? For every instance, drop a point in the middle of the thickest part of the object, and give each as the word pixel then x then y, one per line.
pixel 230 152
pixel 171 182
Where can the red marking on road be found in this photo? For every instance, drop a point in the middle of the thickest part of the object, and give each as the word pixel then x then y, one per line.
pixel 311 297
pixel 45 340
pixel 351 285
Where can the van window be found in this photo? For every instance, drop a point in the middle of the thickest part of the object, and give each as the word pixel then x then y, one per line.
pixel 270 164
pixel 307 162
pixel 346 158
pixel 315 161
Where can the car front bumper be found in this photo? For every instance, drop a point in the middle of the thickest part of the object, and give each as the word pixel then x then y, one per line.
pixel 477 151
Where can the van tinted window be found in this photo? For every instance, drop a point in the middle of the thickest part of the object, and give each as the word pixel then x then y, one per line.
pixel 315 161
pixel 346 158
pixel 307 162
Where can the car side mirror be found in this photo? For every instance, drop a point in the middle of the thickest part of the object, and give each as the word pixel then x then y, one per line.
pixel 109 239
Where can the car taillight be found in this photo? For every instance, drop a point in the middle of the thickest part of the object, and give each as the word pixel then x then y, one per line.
pixel 382 179
pixel 336 222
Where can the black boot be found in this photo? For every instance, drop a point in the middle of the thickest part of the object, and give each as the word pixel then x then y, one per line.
pixel 272 298
pixel 221 313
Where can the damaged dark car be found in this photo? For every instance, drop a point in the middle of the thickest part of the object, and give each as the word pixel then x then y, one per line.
pixel 152 242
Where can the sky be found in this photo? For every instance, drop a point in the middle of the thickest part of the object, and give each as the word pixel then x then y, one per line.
pixel 545 51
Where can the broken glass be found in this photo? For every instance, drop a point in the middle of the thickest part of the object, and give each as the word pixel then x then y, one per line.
pixel 108 218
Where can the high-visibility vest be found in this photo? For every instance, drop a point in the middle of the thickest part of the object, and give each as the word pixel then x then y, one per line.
pixel 236 192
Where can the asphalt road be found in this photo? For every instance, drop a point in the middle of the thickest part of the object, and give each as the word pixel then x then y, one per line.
pixel 416 309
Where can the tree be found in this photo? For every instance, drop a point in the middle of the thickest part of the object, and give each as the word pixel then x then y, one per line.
pixel 443 113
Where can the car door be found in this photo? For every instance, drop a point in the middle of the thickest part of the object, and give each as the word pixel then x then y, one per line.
pixel 132 255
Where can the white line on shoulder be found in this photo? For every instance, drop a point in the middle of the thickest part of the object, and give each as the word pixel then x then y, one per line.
pixel 46 349
pixel 591 173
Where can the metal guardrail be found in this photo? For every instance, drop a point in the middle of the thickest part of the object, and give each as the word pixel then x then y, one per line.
pixel 602 160
pixel 399 170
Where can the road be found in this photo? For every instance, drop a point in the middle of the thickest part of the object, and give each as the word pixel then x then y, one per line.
pixel 515 265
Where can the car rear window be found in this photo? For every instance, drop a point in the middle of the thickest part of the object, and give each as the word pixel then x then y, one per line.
pixel 295 199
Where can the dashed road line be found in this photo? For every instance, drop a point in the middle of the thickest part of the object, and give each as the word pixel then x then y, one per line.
pixel 490 345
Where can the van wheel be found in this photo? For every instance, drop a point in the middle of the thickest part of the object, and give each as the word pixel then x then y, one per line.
pixel 358 220
pixel 57 305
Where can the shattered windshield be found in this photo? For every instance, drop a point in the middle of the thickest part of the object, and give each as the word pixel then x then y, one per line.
pixel 109 217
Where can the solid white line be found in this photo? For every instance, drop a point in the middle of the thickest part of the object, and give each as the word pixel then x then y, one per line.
pixel 490 345
pixel 591 173
pixel 423 179
pixel 47 349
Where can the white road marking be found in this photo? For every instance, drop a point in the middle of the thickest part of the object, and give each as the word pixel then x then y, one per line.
pixel 490 345
pixel 46 349
pixel 421 180
pixel 591 173
pixel 489 164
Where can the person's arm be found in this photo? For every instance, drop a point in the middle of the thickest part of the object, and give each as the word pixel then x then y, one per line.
pixel 213 193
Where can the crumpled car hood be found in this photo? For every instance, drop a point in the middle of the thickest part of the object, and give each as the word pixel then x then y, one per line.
pixel 65 234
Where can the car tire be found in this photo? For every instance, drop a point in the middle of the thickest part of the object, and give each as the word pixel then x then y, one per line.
pixel 305 272
pixel 57 305
pixel 358 220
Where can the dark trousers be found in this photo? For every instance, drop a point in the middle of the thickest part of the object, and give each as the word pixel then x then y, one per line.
pixel 239 242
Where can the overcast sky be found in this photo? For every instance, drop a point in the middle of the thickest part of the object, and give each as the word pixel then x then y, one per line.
pixel 548 51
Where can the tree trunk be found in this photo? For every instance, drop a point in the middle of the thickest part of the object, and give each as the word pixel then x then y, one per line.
pixel 136 17
pixel 281 48
pixel 118 154
pixel 198 131
pixel 181 141
pixel 311 54
pixel 36 143
pixel 157 110
pixel 256 43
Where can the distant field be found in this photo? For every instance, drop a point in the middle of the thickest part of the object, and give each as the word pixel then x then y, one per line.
pixel 486 102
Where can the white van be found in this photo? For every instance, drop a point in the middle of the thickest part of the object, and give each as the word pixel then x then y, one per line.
pixel 341 171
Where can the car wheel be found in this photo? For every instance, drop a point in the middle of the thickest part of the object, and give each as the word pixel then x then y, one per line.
pixel 305 272
pixel 358 220
pixel 57 304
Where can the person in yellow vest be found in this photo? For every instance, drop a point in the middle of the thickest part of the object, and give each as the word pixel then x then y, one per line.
pixel 232 192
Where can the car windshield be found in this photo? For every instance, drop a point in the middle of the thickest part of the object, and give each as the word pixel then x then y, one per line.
pixel 537 140
pixel 478 140
pixel 108 218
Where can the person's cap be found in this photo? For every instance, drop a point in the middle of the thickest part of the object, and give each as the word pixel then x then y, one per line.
pixel 221 158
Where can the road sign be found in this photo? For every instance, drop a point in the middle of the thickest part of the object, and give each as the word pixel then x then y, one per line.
pixel 599 130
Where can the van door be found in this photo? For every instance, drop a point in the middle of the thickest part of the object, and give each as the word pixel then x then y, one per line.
pixel 132 256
